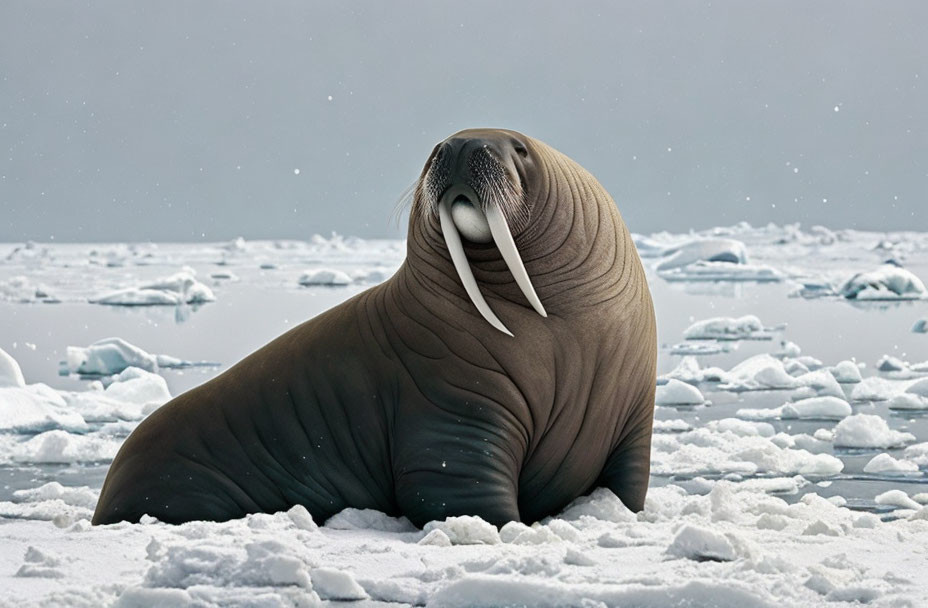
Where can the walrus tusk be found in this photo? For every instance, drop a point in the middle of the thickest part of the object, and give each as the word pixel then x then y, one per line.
pixel 453 241
pixel 507 247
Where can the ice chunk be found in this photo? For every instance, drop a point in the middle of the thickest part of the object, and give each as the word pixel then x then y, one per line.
pixel 36 407
pixel 324 276
pixel 336 585
pixel 600 504
pixel 675 392
pixel 869 431
pixel 917 453
pixel 10 373
pixel 919 388
pixel 908 401
pixel 874 388
pixel 436 538
pixel 887 465
pixel 758 373
pixel 888 282
pixel 699 348
pixel 61 447
pixel 819 408
pixel 701 544
pixel 747 327
pixel 113 355
pixel 466 530
pixel 921 326
pixel 888 363
pixel 179 288
pixel 846 372
pixel 688 370
pixel 368 519
pixel 897 498
pixel 709 250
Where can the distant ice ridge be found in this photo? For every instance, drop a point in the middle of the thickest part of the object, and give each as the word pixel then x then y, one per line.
pixel 711 259
pixel 113 355
pixel 173 290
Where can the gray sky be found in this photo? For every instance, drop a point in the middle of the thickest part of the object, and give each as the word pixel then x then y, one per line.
pixel 178 120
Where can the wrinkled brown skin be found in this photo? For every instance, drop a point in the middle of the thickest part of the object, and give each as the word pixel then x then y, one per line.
pixel 405 400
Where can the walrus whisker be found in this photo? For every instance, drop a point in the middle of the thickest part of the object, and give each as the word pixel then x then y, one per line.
pixel 459 258
pixel 507 248
pixel 404 202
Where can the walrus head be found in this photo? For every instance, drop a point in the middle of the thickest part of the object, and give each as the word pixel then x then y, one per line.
pixel 486 194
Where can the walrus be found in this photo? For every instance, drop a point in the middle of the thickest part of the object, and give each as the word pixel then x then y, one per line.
pixel 507 368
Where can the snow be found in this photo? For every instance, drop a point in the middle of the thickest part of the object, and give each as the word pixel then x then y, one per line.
pixel 173 290
pixel 675 392
pixel 733 546
pixel 869 431
pixel 324 276
pixel 888 282
pixel 747 327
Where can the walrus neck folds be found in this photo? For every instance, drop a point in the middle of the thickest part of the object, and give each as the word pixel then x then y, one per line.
pixel 573 245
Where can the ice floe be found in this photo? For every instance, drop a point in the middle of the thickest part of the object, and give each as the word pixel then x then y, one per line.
pixel 10 373
pixel 888 282
pixel 675 392
pixel 818 408
pixel 887 465
pixel 22 289
pixel 867 431
pixel 846 372
pixel 324 276
pixel 113 355
pixel 173 290
pixel 747 327
pixel 712 259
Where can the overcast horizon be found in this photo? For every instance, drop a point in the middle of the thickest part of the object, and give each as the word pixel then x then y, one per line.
pixel 208 121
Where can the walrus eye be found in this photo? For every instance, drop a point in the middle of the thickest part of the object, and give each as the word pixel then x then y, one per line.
pixel 520 150
pixel 507 248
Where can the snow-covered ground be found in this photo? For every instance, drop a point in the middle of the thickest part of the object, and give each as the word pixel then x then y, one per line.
pixel 788 464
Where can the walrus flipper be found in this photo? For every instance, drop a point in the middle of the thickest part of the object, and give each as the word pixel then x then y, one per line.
pixel 451 468
pixel 628 468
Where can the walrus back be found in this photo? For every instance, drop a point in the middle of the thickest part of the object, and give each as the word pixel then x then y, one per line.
pixel 268 433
